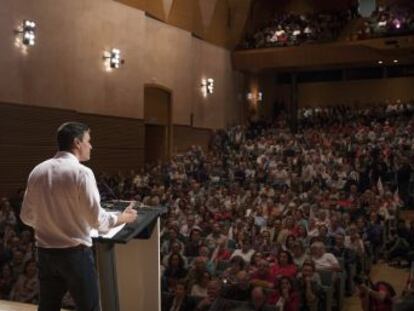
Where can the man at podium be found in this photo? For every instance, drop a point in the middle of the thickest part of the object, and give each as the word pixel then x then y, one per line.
pixel 62 204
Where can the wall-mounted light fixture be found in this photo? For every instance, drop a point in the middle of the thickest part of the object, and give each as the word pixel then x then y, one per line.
pixel 255 97
pixel 113 59
pixel 207 86
pixel 27 32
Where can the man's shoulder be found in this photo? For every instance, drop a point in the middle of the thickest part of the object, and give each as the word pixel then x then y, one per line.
pixel 42 166
pixel 44 163
pixel 85 171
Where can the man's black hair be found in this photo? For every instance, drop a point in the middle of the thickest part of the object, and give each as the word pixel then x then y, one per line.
pixel 67 133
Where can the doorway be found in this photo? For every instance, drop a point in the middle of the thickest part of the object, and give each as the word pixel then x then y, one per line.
pixel 157 121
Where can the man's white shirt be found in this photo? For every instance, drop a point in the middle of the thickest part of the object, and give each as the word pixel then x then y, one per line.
pixel 62 203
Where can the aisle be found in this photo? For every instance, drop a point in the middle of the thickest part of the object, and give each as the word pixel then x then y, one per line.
pixel 396 277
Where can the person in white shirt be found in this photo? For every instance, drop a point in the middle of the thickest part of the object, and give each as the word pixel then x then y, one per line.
pixel 245 252
pixel 62 205
pixel 322 259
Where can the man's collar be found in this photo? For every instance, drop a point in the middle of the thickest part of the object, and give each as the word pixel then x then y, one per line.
pixel 66 155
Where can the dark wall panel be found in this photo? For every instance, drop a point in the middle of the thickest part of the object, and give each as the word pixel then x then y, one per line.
pixel 29 125
pixel 27 137
pixel 155 147
pixel 185 136
pixel 111 132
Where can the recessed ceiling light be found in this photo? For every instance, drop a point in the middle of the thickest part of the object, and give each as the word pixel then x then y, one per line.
pixel 380 62
pixel 395 61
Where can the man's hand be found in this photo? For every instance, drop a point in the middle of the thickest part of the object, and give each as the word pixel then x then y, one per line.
pixel 127 216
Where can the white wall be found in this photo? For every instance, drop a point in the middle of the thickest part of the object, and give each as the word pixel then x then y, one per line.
pixel 65 68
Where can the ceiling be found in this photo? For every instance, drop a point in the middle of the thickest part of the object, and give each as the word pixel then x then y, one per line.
pixel 221 22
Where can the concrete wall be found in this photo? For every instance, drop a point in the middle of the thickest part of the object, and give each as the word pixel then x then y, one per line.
pixel 65 68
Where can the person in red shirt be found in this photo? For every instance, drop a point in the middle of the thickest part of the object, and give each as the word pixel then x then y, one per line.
pixel 288 297
pixel 254 262
pixel 221 252
pixel 285 266
pixel 263 276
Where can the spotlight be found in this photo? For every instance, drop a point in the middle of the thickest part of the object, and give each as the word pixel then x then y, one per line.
pixel 380 62
pixel 395 61
pixel 114 59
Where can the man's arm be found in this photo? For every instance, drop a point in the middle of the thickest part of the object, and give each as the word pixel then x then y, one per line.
pixel 26 213
pixel 90 199
pixel 127 216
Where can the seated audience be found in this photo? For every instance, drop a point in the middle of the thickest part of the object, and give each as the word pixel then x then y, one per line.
pixel 322 259
pixel 180 301
pixel 378 296
pixel 270 193
pixel 26 288
pixel 174 271
pixel 199 288
pixel 288 298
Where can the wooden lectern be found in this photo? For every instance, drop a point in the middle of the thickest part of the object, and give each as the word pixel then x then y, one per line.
pixel 128 265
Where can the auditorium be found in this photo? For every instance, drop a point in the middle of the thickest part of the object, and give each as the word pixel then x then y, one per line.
pixel 207 155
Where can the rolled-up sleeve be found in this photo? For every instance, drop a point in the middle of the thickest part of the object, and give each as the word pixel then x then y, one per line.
pixel 89 200
pixel 26 213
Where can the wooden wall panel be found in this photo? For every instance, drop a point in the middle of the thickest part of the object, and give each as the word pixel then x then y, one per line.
pixel 218 31
pixel 355 92
pixel 155 143
pixel 187 15
pixel 198 28
pixel 239 15
pixel 28 137
pixel 112 160
pixel 138 4
pixel 156 106
pixel 260 13
pixel 31 125
pixel 16 161
pixel 156 9
pixel 185 136
pixel 152 7
pixel 118 133
pixel 181 14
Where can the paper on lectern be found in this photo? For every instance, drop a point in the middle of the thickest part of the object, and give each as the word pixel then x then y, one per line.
pixel 108 235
